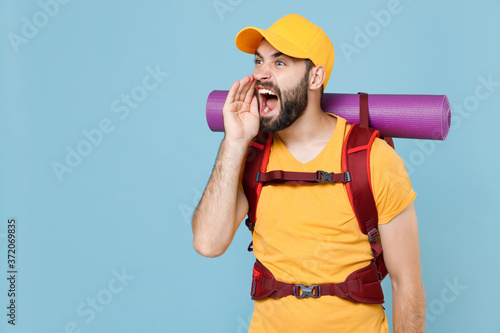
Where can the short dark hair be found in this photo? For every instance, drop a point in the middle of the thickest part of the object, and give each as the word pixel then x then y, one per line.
pixel 309 64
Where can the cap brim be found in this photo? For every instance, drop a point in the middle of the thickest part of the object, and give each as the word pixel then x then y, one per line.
pixel 248 41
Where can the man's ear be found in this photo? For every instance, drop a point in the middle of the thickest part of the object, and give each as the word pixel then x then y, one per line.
pixel 317 77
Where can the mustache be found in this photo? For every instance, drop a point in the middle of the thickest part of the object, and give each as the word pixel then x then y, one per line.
pixel 269 85
pixel 266 85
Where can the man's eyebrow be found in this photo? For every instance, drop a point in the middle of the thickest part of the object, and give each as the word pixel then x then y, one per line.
pixel 276 55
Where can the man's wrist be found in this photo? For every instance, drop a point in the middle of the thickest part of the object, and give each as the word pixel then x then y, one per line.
pixel 235 147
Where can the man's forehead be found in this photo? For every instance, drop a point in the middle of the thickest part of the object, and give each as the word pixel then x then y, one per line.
pixel 265 49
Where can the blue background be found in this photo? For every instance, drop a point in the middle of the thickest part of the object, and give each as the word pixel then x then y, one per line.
pixel 125 208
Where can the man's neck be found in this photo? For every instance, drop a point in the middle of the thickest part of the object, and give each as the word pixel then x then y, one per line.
pixel 314 125
pixel 309 134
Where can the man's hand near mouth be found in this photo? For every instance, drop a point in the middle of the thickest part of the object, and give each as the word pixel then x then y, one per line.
pixel 240 112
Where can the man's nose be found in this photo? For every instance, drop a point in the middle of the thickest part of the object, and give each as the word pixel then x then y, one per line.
pixel 262 72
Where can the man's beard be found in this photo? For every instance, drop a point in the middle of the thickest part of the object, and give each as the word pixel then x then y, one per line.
pixel 293 103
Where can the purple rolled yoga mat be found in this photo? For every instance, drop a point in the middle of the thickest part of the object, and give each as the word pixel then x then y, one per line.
pixel 398 116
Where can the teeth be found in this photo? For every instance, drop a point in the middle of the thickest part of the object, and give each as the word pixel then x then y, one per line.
pixel 266 110
pixel 266 91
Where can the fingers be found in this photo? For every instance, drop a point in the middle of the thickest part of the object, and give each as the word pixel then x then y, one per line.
pixel 241 91
pixel 250 91
pixel 254 108
pixel 232 92
pixel 246 85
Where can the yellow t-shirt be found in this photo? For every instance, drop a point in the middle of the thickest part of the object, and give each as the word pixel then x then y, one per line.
pixel 308 234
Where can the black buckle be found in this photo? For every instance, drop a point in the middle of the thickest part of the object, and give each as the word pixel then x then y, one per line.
pixel 254 286
pixel 347 177
pixel 257 179
pixel 307 291
pixel 250 225
pixel 323 176
pixel 373 235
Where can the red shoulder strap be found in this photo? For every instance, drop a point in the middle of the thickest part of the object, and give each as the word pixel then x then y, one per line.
pixel 356 161
pixel 256 161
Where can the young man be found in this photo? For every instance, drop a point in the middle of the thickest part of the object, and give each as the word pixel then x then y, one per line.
pixel 307 234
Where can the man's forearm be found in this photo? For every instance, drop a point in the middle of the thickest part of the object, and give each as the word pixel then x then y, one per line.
pixel 214 220
pixel 408 308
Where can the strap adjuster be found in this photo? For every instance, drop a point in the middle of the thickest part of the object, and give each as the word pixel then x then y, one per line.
pixel 347 177
pixel 313 291
pixel 373 235
pixel 250 225
pixel 257 179
pixel 323 176
pixel 255 280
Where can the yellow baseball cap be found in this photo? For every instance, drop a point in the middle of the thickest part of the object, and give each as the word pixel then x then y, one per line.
pixel 294 36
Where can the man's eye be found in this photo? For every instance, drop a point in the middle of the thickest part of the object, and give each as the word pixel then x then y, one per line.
pixel 258 61
pixel 280 63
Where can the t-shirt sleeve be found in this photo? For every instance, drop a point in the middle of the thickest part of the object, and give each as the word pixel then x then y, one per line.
pixel 391 185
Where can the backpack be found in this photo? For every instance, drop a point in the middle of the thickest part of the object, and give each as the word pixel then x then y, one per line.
pixel 362 285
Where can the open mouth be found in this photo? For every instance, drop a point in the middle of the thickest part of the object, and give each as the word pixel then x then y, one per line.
pixel 268 101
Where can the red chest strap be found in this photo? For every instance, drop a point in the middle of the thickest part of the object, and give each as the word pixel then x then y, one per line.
pixel 276 177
